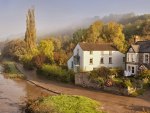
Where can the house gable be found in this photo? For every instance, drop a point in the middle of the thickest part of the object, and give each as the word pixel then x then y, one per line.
pixel 130 50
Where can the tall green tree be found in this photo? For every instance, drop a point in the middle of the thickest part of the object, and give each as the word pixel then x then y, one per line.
pixel 30 35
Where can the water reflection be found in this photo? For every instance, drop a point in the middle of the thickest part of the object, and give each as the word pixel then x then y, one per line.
pixel 13 94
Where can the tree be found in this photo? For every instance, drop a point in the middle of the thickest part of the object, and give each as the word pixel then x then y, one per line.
pixel 113 33
pixel 60 58
pixel 94 32
pixel 14 49
pixel 30 35
pixel 39 60
pixel 57 43
pixel 146 28
pixel 79 36
pixel 46 48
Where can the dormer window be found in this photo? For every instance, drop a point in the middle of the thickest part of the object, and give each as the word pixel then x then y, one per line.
pixel 102 52
pixel 91 52
pixel 110 52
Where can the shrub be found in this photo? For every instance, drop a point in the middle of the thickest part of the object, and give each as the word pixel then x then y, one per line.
pixel 11 71
pixel 127 83
pixel 103 71
pixel 56 73
pixel 145 74
pixel 117 72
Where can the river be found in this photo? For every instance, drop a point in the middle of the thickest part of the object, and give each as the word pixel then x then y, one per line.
pixel 14 93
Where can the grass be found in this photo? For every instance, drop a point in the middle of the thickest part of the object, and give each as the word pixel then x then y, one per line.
pixel 64 104
pixel 11 71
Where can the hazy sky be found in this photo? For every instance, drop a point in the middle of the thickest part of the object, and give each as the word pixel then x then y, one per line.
pixel 55 14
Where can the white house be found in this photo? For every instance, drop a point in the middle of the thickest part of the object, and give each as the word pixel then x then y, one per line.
pixel 89 56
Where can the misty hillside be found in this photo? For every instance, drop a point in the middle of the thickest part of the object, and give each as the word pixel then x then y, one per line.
pixel 124 19
pixel 130 21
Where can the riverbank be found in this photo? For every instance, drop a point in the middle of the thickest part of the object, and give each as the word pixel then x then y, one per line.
pixel 10 70
pixel 15 93
pixel 110 102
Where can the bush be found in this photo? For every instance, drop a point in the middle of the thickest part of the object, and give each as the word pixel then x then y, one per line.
pixel 56 73
pixel 101 72
pixel 64 104
pixel 11 71
pixel 117 72
pixel 145 74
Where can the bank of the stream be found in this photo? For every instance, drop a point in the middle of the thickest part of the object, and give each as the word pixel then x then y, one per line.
pixel 15 93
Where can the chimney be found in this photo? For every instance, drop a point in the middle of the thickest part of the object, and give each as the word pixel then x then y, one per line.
pixel 136 39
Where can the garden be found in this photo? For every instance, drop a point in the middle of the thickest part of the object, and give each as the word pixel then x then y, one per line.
pixel 113 79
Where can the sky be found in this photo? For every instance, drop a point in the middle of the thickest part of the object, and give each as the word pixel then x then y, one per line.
pixel 52 15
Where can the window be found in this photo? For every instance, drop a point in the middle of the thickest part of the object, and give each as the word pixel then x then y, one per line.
pixel 110 52
pixel 77 51
pixel 91 60
pixel 102 52
pixel 129 68
pixel 124 59
pixel 146 58
pixel 128 57
pixel 132 69
pixel 91 52
pixel 110 60
pixel 102 60
pixel 132 57
pixel 72 64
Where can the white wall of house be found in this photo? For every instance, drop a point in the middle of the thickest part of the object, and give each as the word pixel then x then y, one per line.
pixel 117 59
pixel 85 56
pixel 69 63
pixel 75 52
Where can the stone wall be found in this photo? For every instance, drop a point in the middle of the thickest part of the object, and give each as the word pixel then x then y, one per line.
pixel 82 79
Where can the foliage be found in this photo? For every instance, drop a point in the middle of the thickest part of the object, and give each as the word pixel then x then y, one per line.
pixel 79 36
pixel 57 42
pixel 117 72
pixel 14 49
pixel 64 104
pixel 11 70
pixel 94 32
pixel 103 71
pixel 145 74
pixel 30 35
pixel 26 60
pixel 127 83
pixel 56 73
pixel 39 60
pixel 46 48
pixel 60 58
pixel 112 32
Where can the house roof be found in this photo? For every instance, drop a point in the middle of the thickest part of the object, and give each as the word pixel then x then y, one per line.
pixel 135 48
pixel 97 46
pixel 141 46
pixel 146 66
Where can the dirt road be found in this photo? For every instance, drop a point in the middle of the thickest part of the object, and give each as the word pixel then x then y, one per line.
pixel 111 103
